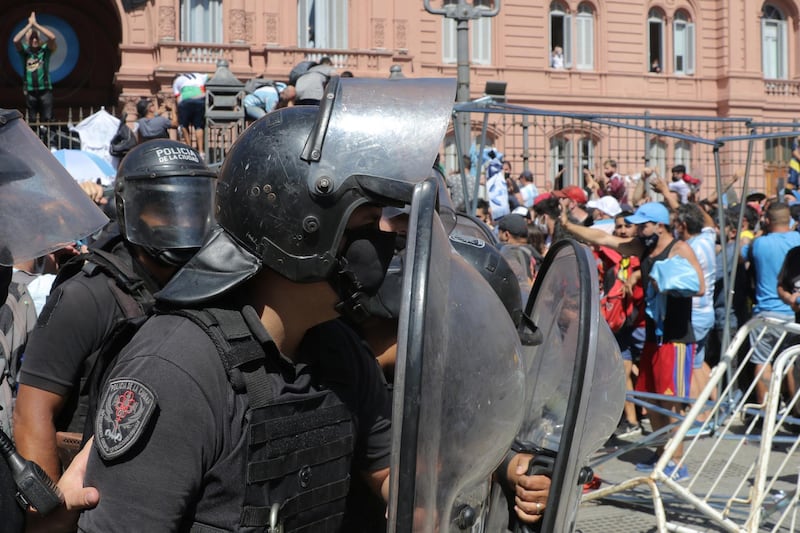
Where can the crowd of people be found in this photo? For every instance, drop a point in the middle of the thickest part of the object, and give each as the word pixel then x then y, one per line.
pixel 658 246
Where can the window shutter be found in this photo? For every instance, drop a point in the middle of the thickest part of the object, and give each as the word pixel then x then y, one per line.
pixel 783 63
pixel 690 48
pixel 568 41
pixel 448 40
pixel 584 42
pixel 482 41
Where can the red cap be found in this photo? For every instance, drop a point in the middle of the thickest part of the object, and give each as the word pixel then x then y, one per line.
pixel 573 192
pixel 541 196
pixel 690 180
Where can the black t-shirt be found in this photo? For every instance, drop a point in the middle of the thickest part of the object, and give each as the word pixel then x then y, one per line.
pixel 188 464
pixel 678 317
pixel 789 276
pixel 78 316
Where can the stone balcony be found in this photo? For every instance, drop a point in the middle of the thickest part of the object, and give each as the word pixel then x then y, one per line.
pixel 159 64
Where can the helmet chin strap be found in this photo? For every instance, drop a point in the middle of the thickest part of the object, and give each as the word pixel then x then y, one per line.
pixel 173 258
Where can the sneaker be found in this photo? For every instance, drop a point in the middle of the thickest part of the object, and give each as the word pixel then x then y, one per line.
pixel 627 431
pixel 677 474
pixel 648 464
pixel 709 429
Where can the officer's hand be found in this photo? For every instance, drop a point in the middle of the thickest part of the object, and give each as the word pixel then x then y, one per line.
pixel 76 498
pixel 531 492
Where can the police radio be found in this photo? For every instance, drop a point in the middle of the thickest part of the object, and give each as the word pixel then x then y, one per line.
pixel 34 486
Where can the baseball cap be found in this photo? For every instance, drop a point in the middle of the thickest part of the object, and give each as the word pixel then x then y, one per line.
pixel 541 197
pixel 521 210
pixel 650 212
pixel 607 204
pixel 527 174
pixel 573 192
pixel 514 224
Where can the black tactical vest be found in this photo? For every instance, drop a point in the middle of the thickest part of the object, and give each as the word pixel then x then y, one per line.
pixel 299 450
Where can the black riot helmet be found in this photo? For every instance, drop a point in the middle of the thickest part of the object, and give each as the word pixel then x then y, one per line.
pixel 291 181
pixel 164 194
pixel 494 268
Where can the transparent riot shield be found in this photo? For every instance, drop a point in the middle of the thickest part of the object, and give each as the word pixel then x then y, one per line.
pixel 575 380
pixel 42 208
pixel 459 382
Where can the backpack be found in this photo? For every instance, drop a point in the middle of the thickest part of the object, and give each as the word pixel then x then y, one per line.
pixel 620 309
pixel 300 69
pixel 256 83
pixel 122 141
pixel 17 319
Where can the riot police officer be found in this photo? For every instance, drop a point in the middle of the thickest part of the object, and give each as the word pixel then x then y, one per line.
pixel 164 196
pixel 33 188
pixel 243 404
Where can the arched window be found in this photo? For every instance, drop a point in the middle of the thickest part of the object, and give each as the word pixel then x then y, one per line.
pixel 655 40
pixel 201 21
pixel 774 48
pixel 683 44
pixel 561 31
pixel 584 37
pixel 570 153
pixel 322 24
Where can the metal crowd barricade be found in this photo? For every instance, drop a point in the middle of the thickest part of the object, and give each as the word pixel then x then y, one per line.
pixel 743 457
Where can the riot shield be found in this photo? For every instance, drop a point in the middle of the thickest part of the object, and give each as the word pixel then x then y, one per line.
pixel 42 208
pixel 459 382
pixel 575 380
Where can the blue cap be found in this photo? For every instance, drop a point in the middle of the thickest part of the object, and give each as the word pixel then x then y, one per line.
pixel 650 212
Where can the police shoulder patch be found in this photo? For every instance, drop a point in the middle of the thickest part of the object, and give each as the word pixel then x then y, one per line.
pixel 123 414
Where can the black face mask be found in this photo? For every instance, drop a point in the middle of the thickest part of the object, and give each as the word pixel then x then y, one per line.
pixel 362 268
pixel 386 303
pixel 649 241
pixel 507 175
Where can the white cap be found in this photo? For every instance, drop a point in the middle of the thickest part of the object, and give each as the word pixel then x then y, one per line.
pixel 521 210
pixel 607 204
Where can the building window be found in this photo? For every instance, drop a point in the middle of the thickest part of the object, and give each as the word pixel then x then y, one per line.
pixel 655 40
pixel 683 155
pixel 322 24
pixel 584 38
pixel 201 21
pixel 778 150
pixel 683 43
pixel 774 49
pixel 480 31
pixel 657 156
pixel 569 155
pixel 561 31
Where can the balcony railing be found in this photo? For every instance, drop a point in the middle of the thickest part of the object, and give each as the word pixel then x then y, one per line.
pixel 782 88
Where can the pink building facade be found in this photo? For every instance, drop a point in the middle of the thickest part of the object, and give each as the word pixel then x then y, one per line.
pixel 715 59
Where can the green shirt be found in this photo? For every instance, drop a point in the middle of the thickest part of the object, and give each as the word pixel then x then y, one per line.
pixel 36 76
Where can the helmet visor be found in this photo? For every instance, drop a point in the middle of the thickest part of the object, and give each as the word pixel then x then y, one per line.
pixel 169 213
pixel 390 129
pixel 42 208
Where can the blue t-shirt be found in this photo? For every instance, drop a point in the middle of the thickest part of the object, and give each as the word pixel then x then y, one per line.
pixel 767 255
